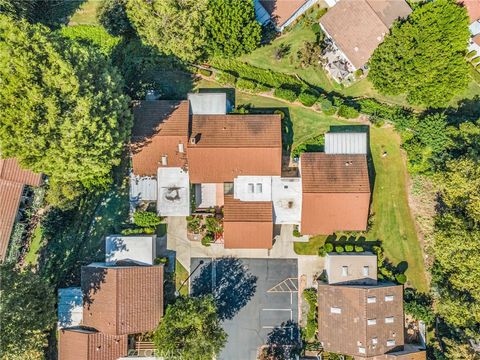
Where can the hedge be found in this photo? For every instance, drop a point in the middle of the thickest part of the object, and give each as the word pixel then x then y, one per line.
pixel 327 106
pixel 471 54
pixel 246 84
pixel 339 249
pixel 204 72
pixel 348 248
pixel 285 94
pixel 347 112
pixel 225 78
pixel 328 247
pixel 308 98
pixel 358 248
pixel 476 60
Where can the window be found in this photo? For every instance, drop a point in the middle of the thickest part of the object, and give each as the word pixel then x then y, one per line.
pixel 374 341
pixel 371 299
pixel 361 350
pixel 251 188
pixel 389 320
pixel 365 271
pixel 388 297
pixel 335 310
pixel 344 270
pixel 228 188
pixel 372 321
pixel 390 342
pixel 259 188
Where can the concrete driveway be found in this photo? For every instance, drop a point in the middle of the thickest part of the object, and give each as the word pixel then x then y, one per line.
pixel 273 301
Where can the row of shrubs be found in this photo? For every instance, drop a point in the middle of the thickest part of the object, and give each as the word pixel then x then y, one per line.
pixel 474 59
pixel 329 247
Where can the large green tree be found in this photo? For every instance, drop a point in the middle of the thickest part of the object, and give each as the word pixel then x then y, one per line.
pixel 63 112
pixel 27 313
pixel 175 27
pixel 190 329
pixel 424 56
pixel 232 29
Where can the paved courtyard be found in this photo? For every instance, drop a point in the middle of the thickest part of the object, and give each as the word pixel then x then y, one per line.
pixel 261 294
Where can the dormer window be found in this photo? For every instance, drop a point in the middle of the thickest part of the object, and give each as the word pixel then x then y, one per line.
pixel 251 188
pixel 335 310
pixel 389 320
pixel 371 321
pixel 388 297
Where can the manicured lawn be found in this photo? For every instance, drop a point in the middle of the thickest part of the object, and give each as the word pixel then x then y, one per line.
pixel 31 258
pixel 310 247
pixel 181 274
pixel 86 14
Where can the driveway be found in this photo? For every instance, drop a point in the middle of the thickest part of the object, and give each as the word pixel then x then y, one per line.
pixel 261 294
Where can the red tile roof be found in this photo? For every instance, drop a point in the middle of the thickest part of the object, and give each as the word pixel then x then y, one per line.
pixel 227 146
pixel 247 224
pixel 83 344
pixel 160 126
pixel 336 193
pixel 473 8
pixel 334 173
pixel 122 299
pixel 282 10
pixel 12 180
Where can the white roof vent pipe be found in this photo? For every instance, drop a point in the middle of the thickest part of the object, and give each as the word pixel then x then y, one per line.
pixel 181 148
pixel 164 160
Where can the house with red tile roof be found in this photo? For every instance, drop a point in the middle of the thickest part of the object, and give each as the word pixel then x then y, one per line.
pixel 233 163
pixel 13 179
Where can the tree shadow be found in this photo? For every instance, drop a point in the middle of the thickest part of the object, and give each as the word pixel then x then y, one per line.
pixel 230 282
pixel 284 342
pixel 402 267
pixel 55 13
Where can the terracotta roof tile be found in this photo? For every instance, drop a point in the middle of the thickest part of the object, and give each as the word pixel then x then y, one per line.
pixel 122 300
pixel 247 211
pixel 10 194
pixel 473 8
pixel 10 170
pixel 334 173
pixel 282 10
pixel 160 126
pixel 83 344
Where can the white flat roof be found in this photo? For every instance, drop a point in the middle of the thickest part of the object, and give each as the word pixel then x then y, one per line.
pixel 346 143
pixel 139 248
pixel 287 200
pixel 208 103
pixel 252 188
pixel 173 192
pixel 143 188
pixel 70 307
pixel 206 195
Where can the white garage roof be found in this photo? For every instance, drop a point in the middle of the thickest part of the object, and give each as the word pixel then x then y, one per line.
pixel 141 248
pixel 143 188
pixel 208 103
pixel 287 200
pixel 173 192
pixel 346 143
pixel 70 307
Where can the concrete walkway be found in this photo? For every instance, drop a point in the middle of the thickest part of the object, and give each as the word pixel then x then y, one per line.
pixel 308 265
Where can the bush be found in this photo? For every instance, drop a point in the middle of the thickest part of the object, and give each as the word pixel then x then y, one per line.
pixel 146 219
pixel 316 28
pixel 285 94
pixel 321 251
pixel 348 248
pixel 359 248
pixel 310 296
pixel 92 35
pixel 207 240
pixel 136 231
pixel 296 233
pixel 347 112
pixel 194 224
pixel 308 98
pixel 339 249
pixel 204 72
pixel 225 78
pixel 246 84
pixel 401 278
pixel 471 54
pixel 328 247
pixel 358 73
pixel 327 106
pixel 113 16
pixel 161 260
pixel 262 88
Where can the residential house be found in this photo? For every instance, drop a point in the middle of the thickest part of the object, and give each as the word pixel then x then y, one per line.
pixel 13 180
pixel 355 28
pixel 473 10
pixel 117 299
pixel 281 12
pixel 234 162
pixel 358 316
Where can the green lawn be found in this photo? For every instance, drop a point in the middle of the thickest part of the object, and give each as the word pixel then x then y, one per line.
pixel 181 274
pixel 86 14
pixel 31 258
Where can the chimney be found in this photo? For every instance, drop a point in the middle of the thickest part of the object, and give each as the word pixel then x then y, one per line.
pixel 164 160
pixel 181 148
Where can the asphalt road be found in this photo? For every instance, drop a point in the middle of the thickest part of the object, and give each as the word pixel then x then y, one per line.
pixel 274 302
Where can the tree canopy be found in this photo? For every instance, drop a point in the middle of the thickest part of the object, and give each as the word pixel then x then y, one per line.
pixel 63 110
pixel 424 56
pixel 190 329
pixel 232 29
pixel 27 312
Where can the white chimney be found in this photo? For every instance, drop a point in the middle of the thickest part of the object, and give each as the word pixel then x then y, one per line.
pixel 164 160
pixel 181 148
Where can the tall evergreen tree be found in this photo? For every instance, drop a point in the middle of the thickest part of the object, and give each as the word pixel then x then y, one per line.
pixel 62 110
pixel 424 56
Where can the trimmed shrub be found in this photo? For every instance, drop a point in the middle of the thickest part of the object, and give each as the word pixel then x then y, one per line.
pixel 339 249
pixel 285 94
pixel 246 84
pixel 225 78
pixel 308 98
pixel 359 248
pixel 327 106
pixel 316 28
pixel 130 231
pixel 204 72
pixel 262 88
pixel 296 233
pixel 328 247
pixel 348 248
pixel 146 219
pixel 401 278
pixel 358 73
pixel 321 251
pixel 347 112
pixel 207 240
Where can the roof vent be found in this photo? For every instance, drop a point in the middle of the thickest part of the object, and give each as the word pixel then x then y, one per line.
pixel 192 140
pixel 164 160
pixel 181 148
pixel 356 48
